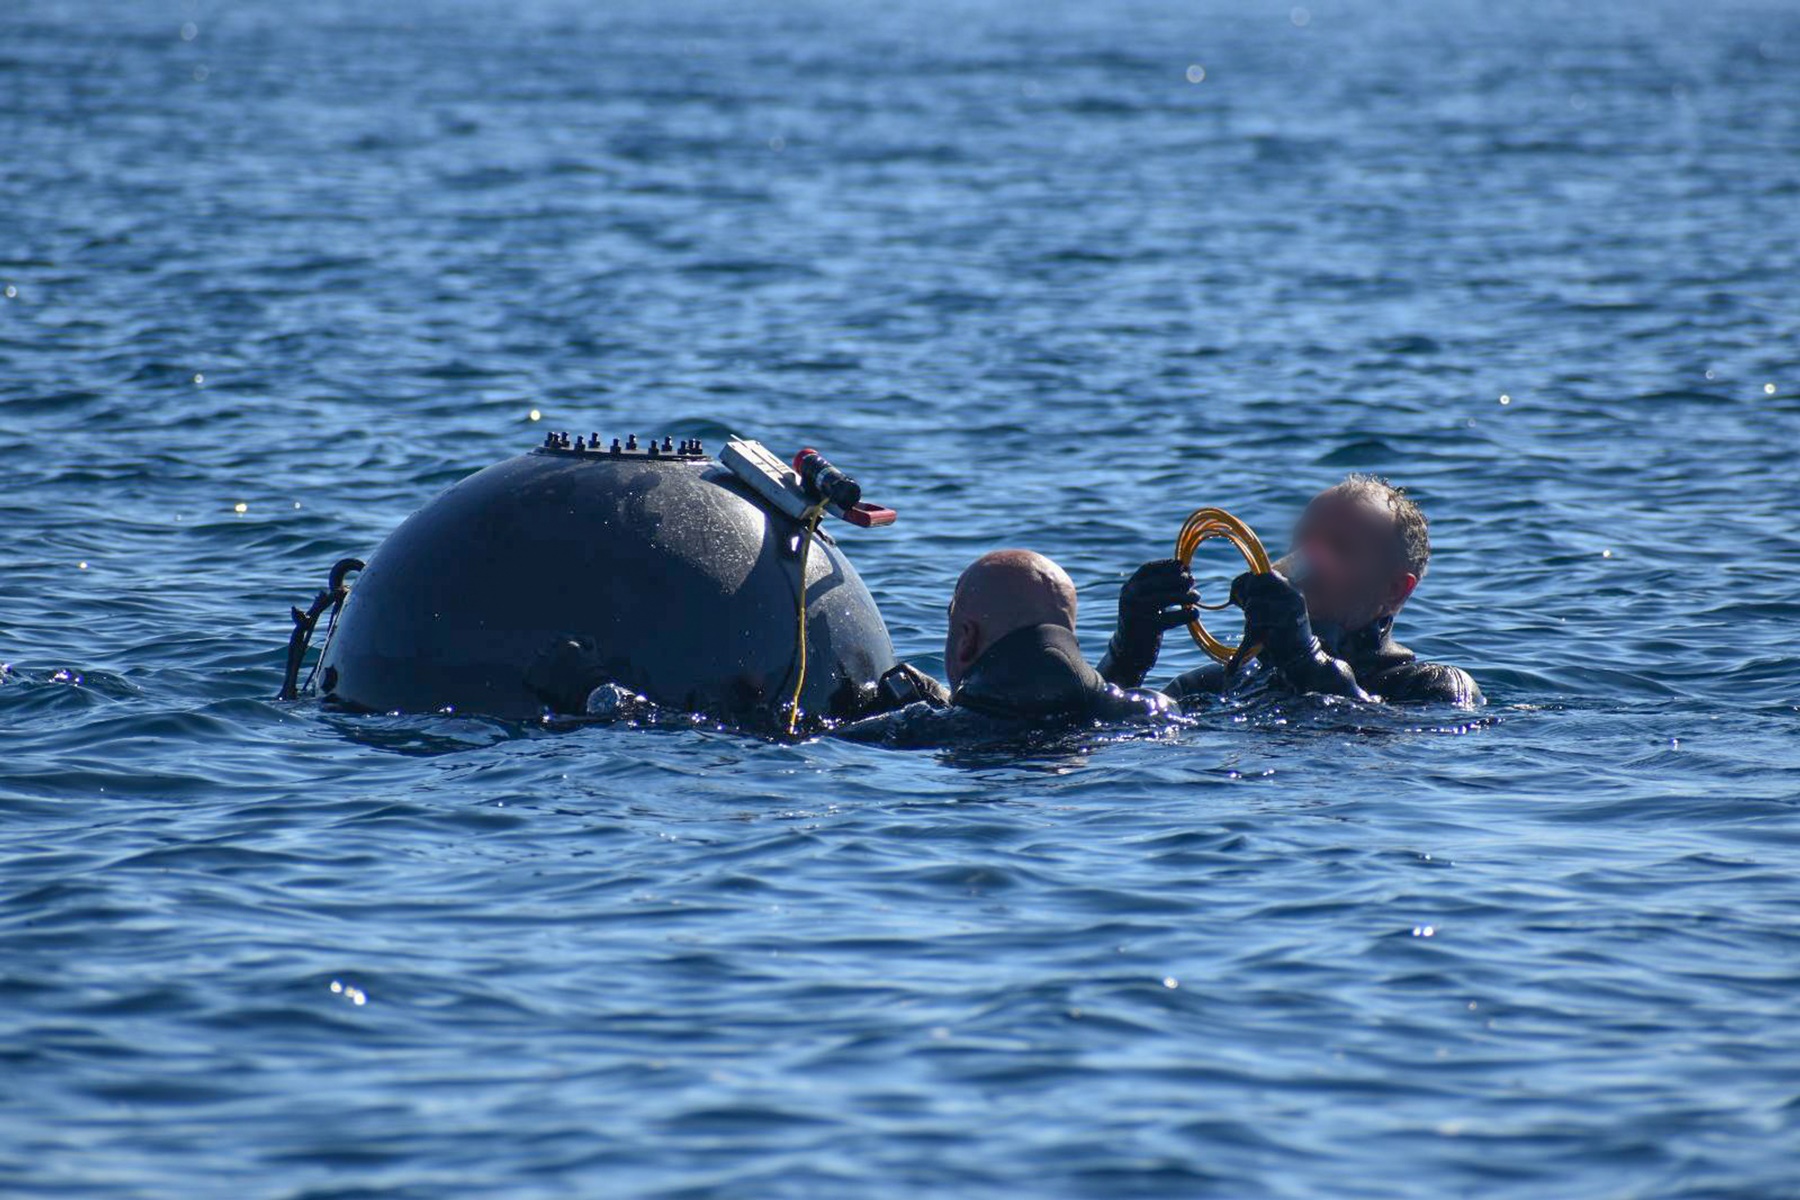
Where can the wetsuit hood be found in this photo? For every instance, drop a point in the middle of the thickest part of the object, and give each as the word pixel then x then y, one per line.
pixel 1039 671
pixel 1369 650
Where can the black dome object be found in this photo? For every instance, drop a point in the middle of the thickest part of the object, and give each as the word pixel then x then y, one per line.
pixel 528 584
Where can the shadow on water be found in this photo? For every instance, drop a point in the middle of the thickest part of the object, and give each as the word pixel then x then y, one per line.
pixel 425 735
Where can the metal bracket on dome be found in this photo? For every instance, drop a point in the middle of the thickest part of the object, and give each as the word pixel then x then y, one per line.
pixel 794 488
pixel 768 476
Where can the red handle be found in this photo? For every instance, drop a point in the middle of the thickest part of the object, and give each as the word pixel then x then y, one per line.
pixel 870 516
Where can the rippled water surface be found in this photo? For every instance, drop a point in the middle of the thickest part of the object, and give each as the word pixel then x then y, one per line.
pixel 1046 273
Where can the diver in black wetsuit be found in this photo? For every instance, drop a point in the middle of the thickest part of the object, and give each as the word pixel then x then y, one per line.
pixel 1360 549
pixel 1011 655
pixel 1011 650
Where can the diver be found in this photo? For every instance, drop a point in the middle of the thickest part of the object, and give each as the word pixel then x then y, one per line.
pixel 1010 649
pixel 1010 653
pixel 1323 618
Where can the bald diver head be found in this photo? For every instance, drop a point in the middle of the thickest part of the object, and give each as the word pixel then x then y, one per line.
pixel 1359 550
pixel 999 593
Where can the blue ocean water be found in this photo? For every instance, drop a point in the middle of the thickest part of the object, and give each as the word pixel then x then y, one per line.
pixel 1048 274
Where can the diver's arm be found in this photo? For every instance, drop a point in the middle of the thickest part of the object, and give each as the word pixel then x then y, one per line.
pixel 905 684
pixel 1201 681
pixel 1313 670
pixel 1156 598
pixel 1118 668
pixel 1275 617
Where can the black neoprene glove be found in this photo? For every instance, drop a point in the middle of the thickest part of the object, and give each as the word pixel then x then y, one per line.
pixel 905 684
pixel 1158 597
pixel 1275 616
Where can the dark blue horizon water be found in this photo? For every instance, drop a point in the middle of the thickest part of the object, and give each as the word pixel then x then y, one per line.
pixel 1048 274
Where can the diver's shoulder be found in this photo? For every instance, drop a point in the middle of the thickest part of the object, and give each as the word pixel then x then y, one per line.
pixel 1418 682
pixel 917 725
pixel 1113 703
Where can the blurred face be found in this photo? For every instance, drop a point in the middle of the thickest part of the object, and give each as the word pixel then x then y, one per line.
pixel 1354 570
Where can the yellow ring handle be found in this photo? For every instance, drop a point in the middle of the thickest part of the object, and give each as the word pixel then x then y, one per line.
pixel 1204 525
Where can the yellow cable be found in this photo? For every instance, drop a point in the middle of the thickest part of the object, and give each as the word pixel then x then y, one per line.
pixel 809 524
pixel 1203 525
